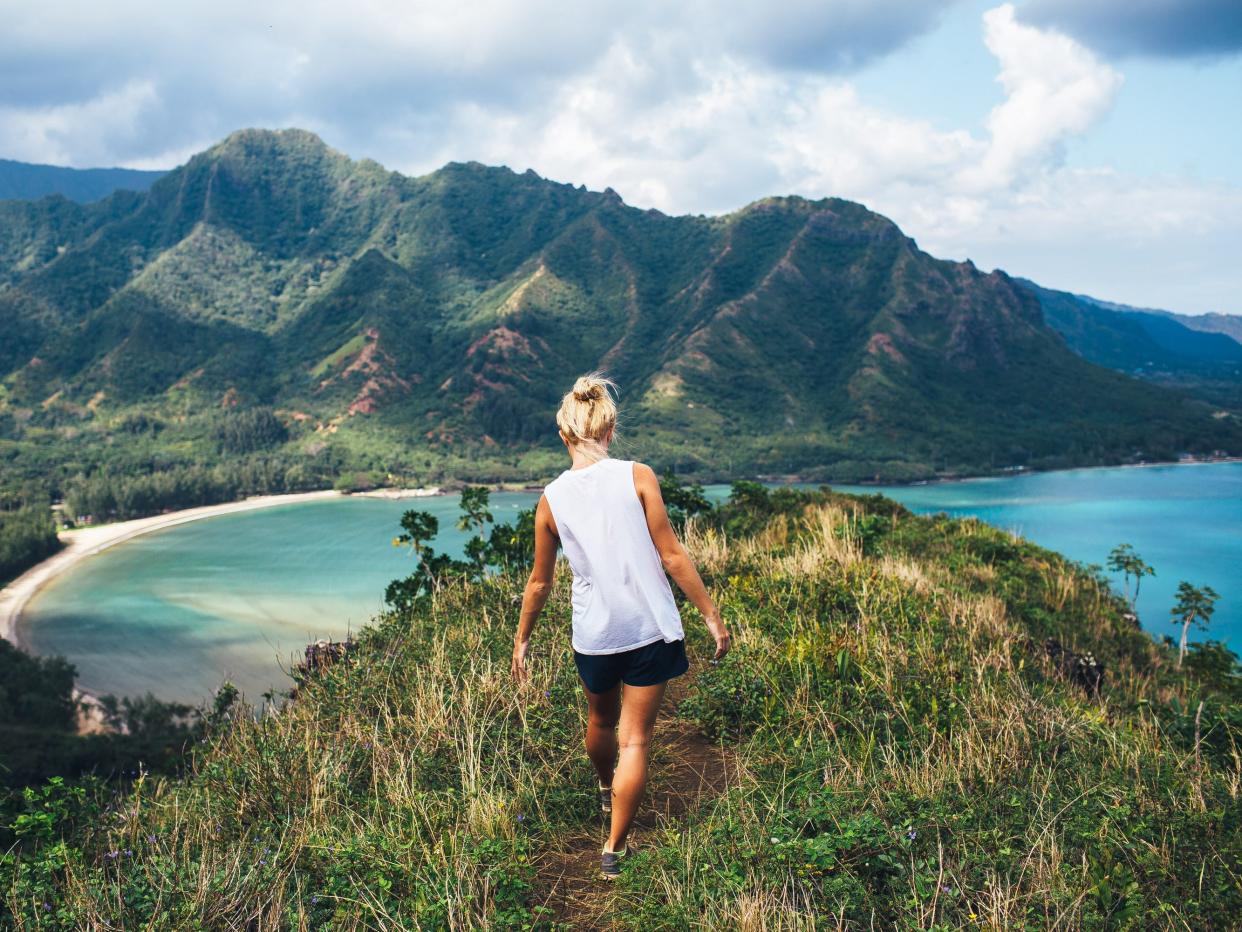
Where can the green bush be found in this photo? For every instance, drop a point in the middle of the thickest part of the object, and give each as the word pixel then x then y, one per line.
pixel 27 537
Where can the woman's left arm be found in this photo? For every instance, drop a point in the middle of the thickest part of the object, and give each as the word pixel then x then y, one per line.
pixel 539 586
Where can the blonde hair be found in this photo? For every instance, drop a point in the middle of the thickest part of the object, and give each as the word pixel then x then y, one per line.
pixel 588 411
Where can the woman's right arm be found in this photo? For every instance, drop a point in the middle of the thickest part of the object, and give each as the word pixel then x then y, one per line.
pixel 538 586
pixel 673 555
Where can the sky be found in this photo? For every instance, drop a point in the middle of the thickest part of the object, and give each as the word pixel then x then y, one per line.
pixel 1091 146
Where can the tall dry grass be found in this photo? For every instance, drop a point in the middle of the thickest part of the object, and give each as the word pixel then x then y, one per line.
pixel 372 791
pixel 924 635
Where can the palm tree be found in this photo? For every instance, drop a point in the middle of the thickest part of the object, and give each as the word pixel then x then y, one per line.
pixel 1123 559
pixel 1194 606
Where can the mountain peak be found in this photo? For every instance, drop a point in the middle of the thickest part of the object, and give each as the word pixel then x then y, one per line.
pixel 265 263
pixel 254 141
pixel 277 188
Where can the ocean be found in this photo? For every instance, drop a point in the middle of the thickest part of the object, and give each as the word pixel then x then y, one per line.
pixel 176 611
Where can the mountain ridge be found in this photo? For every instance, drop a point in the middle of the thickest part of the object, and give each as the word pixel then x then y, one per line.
pixel 1159 346
pixel 31 181
pixel 1213 322
pixel 788 335
pixel 1207 322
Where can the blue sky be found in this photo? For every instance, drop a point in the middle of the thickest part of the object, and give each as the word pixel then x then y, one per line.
pixel 1091 146
pixel 1179 116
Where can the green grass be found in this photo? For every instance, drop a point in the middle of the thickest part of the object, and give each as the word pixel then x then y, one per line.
pixel 903 756
pixel 351 346
pixel 908 758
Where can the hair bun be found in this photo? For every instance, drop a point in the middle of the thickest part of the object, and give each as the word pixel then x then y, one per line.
pixel 588 389
pixel 588 410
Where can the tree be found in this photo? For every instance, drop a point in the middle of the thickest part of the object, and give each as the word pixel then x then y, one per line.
pixel 505 547
pixel 474 500
pixel 27 536
pixel 1123 559
pixel 682 501
pixel 418 528
pixel 249 430
pixel 474 516
pixel 512 546
pixel 1195 606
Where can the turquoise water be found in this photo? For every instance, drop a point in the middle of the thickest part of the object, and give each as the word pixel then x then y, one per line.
pixel 239 596
pixel 1185 521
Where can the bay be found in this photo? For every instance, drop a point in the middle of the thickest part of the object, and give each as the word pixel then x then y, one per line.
pixel 239 596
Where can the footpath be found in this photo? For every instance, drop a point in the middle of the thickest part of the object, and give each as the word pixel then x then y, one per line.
pixel 685 768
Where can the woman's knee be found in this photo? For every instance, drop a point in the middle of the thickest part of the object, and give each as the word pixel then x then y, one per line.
pixel 603 719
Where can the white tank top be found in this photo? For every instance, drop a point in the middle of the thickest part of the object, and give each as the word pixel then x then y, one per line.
pixel 621 597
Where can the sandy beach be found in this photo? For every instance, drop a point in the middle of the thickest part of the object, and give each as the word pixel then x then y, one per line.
pixel 81 543
pixel 400 493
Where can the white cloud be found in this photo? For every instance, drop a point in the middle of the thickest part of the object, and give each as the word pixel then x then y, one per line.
pixel 735 132
pixel 365 65
pixel 695 107
pixel 1053 88
pixel 90 129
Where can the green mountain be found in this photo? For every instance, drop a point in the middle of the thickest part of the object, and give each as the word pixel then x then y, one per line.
pixel 1192 352
pixel 1211 322
pixel 428 326
pixel 24 181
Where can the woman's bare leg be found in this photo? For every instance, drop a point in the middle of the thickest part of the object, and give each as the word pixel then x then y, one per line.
pixel 639 706
pixel 603 711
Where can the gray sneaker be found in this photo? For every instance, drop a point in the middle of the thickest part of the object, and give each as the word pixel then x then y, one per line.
pixel 605 798
pixel 610 863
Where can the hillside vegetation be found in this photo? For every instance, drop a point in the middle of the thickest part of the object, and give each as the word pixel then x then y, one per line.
pixel 400 329
pixel 901 753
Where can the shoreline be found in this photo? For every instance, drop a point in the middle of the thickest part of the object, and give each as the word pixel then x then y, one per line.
pixel 392 494
pixel 999 474
pixel 81 543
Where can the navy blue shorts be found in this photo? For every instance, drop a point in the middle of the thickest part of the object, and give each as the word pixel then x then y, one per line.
pixel 643 666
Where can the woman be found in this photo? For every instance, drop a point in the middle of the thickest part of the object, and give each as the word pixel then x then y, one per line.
pixel 609 516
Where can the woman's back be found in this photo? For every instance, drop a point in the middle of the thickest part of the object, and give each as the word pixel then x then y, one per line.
pixel 609 517
pixel 621 596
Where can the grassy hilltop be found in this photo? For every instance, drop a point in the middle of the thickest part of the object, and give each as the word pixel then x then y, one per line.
pixel 888 746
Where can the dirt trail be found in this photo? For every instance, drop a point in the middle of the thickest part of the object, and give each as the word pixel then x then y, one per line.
pixel 685 766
